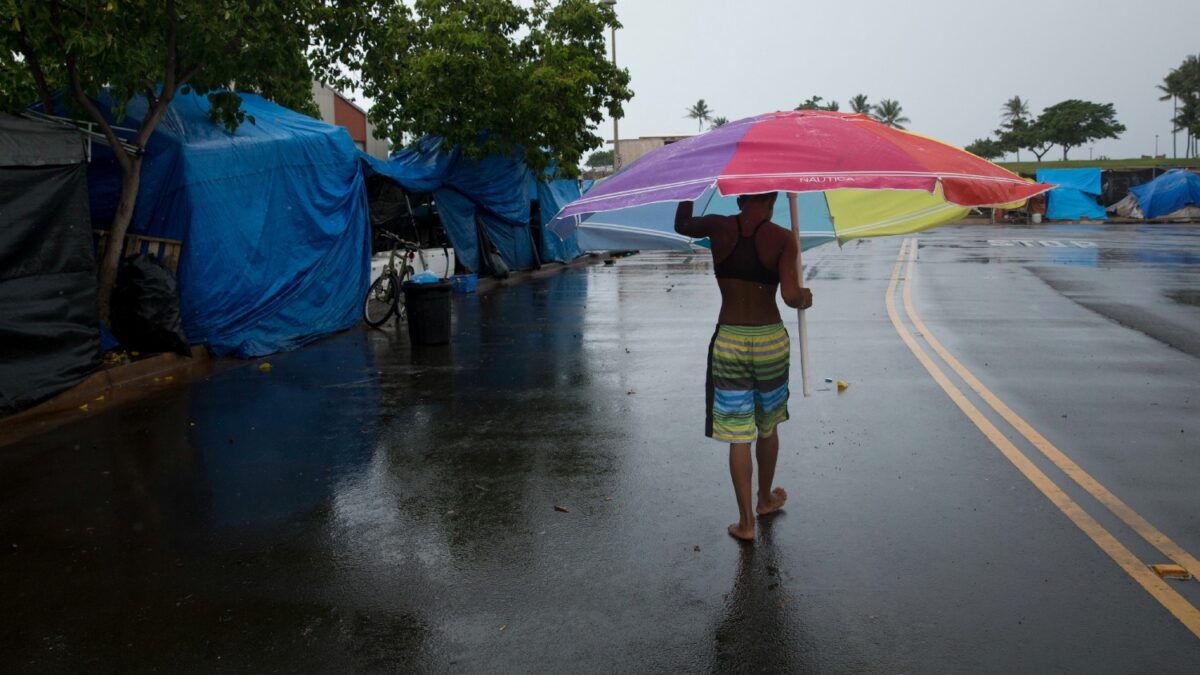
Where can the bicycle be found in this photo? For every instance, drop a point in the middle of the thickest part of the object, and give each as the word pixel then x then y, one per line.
pixel 385 297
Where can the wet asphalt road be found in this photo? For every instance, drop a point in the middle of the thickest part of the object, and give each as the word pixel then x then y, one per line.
pixel 366 506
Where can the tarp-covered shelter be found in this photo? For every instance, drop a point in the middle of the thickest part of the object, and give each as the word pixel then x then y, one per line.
pixel 1074 196
pixel 486 199
pixel 1172 192
pixel 272 221
pixel 49 333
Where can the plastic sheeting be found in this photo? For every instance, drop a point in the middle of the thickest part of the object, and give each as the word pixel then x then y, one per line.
pixel 1170 192
pixel 273 220
pixel 1074 196
pixel 49 333
pixel 495 191
pixel 552 196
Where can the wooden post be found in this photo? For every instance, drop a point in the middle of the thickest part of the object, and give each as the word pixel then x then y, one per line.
pixel 803 325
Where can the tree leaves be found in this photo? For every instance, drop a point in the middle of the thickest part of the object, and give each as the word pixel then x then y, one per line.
pixel 491 76
pixel 1074 122
pixel 890 112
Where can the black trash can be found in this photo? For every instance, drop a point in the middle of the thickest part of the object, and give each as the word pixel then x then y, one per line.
pixel 428 310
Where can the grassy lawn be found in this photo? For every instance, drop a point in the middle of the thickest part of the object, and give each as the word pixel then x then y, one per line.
pixel 1031 167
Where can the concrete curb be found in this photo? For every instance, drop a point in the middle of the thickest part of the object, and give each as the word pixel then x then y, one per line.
pixel 104 388
pixel 487 285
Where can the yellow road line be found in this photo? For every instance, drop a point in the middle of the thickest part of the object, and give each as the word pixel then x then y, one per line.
pixel 1119 508
pixel 1187 614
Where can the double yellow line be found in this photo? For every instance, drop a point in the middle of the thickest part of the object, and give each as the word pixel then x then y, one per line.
pixel 1175 603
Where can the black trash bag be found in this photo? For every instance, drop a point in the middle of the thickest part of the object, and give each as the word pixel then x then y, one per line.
pixel 145 307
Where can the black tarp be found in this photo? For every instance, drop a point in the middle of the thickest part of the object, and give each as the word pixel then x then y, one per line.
pixel 49 333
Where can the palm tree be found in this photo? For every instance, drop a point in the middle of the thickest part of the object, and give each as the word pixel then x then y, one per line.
pixel 1183 83
pixel 814 103
pixel 701 113
pixel 859 104
pixel 1014 109
pixel 1013 113
pixel 718 122
pixel 890 113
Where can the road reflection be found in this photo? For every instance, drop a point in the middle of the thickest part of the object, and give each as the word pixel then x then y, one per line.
pixel 758 631
pixel 477 441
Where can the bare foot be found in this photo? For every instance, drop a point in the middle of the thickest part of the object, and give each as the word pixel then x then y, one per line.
pixel 772 503
pixel 738 532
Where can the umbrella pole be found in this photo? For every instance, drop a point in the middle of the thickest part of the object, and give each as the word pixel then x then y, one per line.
pixel 795 211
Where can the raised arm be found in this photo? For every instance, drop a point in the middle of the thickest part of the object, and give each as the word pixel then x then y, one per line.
pixel 686 224
pixel 793 294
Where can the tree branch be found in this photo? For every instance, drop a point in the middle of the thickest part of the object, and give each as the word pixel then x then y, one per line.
pixel 81 98
pixel 169 66
pixel 188 73
pixel 39 77
pixel 157 105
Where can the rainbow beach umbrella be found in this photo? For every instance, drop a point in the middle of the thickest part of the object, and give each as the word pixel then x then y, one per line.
pixel 850 177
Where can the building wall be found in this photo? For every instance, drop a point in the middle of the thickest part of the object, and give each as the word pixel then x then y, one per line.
pixel 323 96
pixel 355 121
pixel 336 109
pixel 636 147
pixel 377 147
pixel 633 148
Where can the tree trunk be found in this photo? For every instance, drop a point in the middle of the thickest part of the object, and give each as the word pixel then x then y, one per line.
pixel 115 243
pixel 1065 149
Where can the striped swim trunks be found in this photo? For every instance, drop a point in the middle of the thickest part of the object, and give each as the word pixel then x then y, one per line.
pixel 747 382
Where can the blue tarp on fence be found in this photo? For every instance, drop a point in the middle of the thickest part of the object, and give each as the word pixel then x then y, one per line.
pixel 497 189
pixel 1075 195
pixel 273 221
pixel 1168 193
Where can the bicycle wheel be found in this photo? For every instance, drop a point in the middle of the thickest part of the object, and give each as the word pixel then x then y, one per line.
pixel 405 276
pixel 381 301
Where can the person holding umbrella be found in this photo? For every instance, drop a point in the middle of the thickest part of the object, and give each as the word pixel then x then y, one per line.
pixel 748 357
pixel 857 178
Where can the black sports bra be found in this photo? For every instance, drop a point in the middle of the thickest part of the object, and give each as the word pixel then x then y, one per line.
pixel 743 262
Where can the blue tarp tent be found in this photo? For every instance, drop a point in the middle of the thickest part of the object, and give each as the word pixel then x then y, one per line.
pixel 272 219
pixel 496 189
pixel 1168 193
pixel 1075 195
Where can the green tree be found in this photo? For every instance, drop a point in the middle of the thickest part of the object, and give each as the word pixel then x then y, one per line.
pixel 986 148
pixel 1074 122
pixel 890 113
pixel 718 122
pixel 487 75
pixel 1030 135
pixel 1182 86
pixel 814 103
pixel 860 105
pixel 701 113
pixel 600 158
pixel 91 49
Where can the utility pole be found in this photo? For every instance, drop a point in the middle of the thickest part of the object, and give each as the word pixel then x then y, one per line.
pixel 616 135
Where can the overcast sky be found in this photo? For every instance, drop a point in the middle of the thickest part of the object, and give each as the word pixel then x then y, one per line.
pixel 951 64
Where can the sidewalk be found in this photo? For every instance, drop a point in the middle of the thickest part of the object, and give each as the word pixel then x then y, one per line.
pixel 122 383
pixel 106 387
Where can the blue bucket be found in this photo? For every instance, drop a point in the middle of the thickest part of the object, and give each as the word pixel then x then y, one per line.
pixel 464 283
